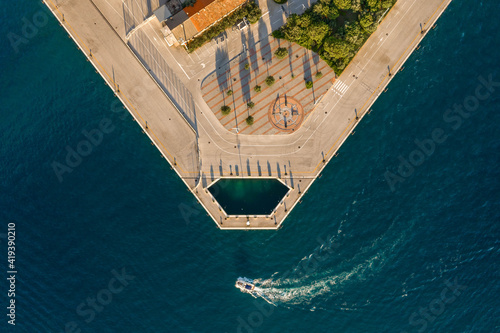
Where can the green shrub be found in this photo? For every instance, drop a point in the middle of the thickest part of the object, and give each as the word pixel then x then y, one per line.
pixel 225 110
pixel 278 34
pixel 257 89
pixel 388 3
pixel 229 92
pixel 247 66
pixel 319 75
pixel 250 105
pixel 309 84
pixel 270 81
pixel 249 120
pixel 188 3
pixel 280 1
pixel 281 52
pixel 253 13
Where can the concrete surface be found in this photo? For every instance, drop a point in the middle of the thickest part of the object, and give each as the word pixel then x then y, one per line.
pixel 189 134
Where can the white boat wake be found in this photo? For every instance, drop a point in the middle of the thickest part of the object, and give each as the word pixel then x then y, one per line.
pixel 312 282
pixel 248 286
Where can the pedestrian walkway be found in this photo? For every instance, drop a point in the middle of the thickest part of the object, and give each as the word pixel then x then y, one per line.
pixel 233 84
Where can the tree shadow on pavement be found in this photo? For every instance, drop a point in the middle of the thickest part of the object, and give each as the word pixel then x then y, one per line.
pixel 265 46
pixel 306 65
pixel 252 46
pixel 244 74
pixel 222 69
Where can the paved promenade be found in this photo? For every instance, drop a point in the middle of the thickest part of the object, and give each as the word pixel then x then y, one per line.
pixel 290 73
pixel 190 135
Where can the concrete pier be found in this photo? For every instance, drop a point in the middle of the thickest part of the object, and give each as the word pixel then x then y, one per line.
pixel 189 135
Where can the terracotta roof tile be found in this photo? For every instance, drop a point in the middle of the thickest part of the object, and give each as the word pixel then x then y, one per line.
pixel 198 5
pixel 212 11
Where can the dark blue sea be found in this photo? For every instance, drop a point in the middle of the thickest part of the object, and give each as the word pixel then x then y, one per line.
pixel 106 248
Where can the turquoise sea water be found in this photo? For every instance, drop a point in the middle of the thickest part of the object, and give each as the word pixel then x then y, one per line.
pixel 248 196
pixel 355 256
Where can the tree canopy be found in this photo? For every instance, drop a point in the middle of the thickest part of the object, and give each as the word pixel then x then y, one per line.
pixel 343 4
pixel 373 4
pixel 337 48
pixel 324 9
pixel 335 29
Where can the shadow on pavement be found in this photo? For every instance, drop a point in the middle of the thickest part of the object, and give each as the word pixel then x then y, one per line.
pixel 252 53
pixel 222 70
pixel 265 47
pixel 244 74
pixel 151 58
pixel 128 18
pixel 307 66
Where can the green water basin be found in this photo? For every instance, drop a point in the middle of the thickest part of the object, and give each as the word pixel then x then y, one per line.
pixel 248 196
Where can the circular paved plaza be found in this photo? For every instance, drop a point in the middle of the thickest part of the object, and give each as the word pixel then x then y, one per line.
pixel 286 114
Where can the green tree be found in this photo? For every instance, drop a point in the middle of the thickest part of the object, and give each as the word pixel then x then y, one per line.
pixel 337 48
pixel 342 4
pixel 372 4
pixel 296 29
pixel 253 13
pixel 366 20
pixel 321 9
pixel 249 120
pixel 250 105
pixel 270 81
pixel 317 33
pixel 257 89
pixel 225 110
pixel 336 40
pixel 354 34
pixel 278 34
pixel 309 84
pixel 324 10
pixel 281 52
pixel 356 5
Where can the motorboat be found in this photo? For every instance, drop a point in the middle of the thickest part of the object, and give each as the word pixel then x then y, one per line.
pixel 245 285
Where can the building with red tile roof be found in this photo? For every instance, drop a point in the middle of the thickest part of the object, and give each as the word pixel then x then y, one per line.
pixel 193 20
